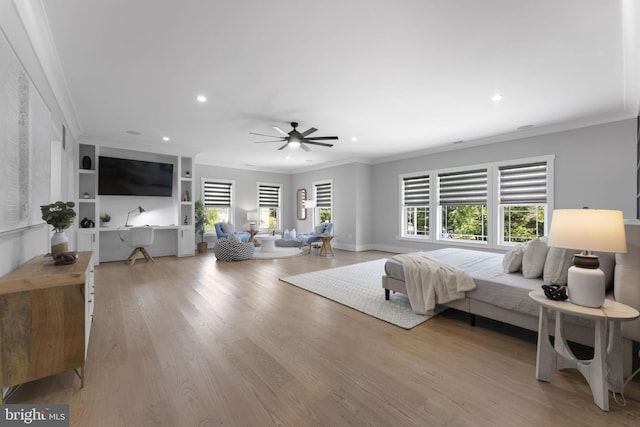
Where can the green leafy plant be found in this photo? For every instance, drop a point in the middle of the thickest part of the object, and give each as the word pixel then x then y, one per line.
pixel 105 218
pixel 59 214
pixel 201 219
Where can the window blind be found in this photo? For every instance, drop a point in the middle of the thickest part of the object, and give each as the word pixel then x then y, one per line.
pixel 463 188
pixel 268 196
pixel 416 190
pixel 523 184
pixel 324 195
pixel 217 194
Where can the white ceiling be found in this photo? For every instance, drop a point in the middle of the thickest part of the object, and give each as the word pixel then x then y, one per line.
pixel 400 75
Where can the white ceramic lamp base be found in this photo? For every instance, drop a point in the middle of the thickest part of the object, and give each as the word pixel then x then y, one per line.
pixel 586 286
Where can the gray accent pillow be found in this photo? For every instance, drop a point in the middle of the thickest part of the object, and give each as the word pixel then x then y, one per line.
pixel 556 266
pixel 512 261
pixel 607 265
pixel 535 254
pixel 228 228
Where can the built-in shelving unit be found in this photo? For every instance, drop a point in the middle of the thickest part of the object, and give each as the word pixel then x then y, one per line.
pixel 90 204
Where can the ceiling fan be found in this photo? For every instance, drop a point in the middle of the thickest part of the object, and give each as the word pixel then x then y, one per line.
pixel 296 139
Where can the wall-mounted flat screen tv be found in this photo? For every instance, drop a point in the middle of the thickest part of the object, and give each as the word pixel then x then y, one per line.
pixel 125 177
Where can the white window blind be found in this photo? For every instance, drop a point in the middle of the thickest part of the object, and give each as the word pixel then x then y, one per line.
pixel 324 195
pixel 268 196
pixel 217 194
pixel 523 184
pixel 463 188
pixel 416 191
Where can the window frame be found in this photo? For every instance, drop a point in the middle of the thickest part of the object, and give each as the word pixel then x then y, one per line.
pixel 404 235
pixel 316 210
pixel 232 183
pixel 495 220
pixel 278 208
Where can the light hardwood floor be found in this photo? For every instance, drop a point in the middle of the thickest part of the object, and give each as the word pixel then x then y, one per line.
pixel 196 342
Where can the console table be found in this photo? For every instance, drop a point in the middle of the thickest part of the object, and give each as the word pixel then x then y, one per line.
pixel 46 312
pixel 604 371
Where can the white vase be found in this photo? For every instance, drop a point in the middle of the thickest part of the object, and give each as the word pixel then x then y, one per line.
pixel 59 243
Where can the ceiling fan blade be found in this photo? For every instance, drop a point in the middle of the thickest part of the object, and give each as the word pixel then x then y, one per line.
pixel 304 147
pixel 283 146
pixel 262 134
pixel 324 144
pixel 323 137
pixel 280 130
pixel 308 131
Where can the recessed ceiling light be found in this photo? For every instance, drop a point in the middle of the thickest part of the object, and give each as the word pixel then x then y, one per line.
pixel 166 138
pixel 133 132
pixel 201 98
pixel 354 139
pixel 287 158
pixel 496 97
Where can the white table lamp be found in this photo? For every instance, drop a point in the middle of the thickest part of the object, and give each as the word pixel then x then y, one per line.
pixel 587 230
pixel 252 217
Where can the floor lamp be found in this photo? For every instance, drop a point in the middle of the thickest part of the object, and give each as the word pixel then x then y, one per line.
pixel 587 230
pixel 311 204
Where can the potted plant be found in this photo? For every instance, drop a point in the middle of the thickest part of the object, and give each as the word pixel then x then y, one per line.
pixel 59 215
pixel 105 219
pixel 201 221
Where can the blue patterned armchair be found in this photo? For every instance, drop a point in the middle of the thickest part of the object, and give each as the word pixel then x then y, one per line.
pixel 224 228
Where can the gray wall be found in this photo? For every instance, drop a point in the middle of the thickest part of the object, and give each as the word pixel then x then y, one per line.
pixel 594 167
pixel 351 203
pixel 246 191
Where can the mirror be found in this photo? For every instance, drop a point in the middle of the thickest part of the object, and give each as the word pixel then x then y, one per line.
pixel 301 196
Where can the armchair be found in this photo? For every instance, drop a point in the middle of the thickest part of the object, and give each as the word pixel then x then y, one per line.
pixel 314 236
pixel 223 229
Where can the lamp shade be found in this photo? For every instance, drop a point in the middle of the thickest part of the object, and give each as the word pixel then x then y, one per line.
pixel 252 216
pixel 308 204
pixel 588 229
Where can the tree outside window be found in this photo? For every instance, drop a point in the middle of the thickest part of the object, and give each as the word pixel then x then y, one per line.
pixel 522 223
pixel 464 222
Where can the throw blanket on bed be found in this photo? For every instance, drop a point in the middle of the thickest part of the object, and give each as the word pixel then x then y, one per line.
pixel 430 282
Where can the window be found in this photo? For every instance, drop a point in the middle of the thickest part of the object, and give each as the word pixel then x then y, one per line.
pixel 323 193
pixel 463 205
pixel 523 202
pixel 269 205
pixel 415 206
pixel 218 201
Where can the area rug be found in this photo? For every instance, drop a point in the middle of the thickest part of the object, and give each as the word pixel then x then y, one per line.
pixel 359 286
pixel 279 252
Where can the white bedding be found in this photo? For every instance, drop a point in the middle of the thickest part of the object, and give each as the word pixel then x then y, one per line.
pixel 430 282
pixel 494 286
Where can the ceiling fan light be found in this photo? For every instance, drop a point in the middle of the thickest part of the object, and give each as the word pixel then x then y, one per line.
pixel 294 144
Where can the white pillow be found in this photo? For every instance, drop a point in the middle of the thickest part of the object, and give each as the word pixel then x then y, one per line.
pixel 228 228
pixel 286 235
pixel 535 254
pixel 512 261
pixel 233 237
pixel 318 230
pixel 556 266
pixel 293 234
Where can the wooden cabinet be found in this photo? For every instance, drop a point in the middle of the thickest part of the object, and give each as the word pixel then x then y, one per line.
pixel 45 319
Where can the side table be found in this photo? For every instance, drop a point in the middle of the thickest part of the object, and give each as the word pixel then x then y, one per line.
pixel 326 248
pixel 604 371
pixel 251 239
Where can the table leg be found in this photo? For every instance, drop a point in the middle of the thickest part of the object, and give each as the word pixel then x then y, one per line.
pixel 614 358
pixel 598 368
pixel 545 356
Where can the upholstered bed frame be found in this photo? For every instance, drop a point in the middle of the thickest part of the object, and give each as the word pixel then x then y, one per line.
pixel 626 289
